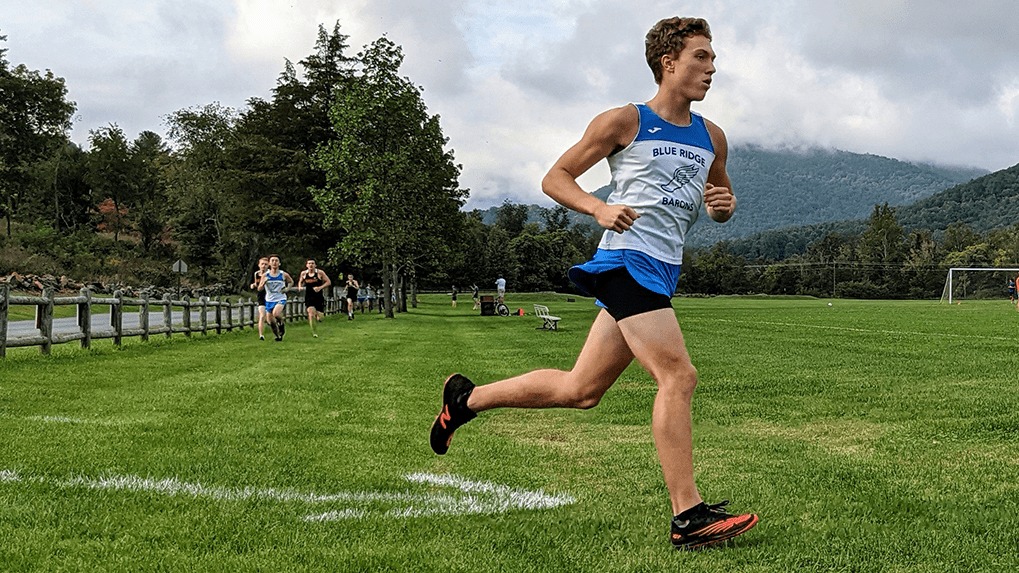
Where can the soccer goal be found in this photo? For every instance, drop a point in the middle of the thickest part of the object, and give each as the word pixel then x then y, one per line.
pixel 970 282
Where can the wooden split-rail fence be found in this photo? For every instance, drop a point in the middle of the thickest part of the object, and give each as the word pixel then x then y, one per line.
pixel 218 315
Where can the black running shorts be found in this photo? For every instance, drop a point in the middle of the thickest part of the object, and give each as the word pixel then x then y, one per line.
pixel 624 297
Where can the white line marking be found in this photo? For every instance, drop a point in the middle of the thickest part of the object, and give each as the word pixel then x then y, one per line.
pixel 57 419
pixel 92 421
pixel 475 496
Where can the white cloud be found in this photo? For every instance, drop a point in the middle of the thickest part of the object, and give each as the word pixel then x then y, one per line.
pixel 516 83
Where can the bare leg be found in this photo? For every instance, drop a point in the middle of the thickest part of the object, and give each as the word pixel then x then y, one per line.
pixel 655 339
pixel 603 358
pixel 261 321
pixel 277 315
pixel 657 342
pixel 312 315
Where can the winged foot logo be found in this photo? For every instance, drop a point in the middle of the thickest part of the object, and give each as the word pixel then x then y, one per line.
pixel 680 177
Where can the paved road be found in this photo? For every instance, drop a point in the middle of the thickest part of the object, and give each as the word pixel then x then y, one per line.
pixel 101 323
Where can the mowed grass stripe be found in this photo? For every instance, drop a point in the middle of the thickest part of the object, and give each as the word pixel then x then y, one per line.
pixel 870 436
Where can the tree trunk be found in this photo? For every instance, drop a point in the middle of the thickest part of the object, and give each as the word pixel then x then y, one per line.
pixel 401 293
pixel 414 291
pixel 387 281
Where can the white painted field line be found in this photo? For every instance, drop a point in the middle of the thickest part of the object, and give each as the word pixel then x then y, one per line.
pixel 861 330
pixel 483 497
pixel 474 497
pixel 53 419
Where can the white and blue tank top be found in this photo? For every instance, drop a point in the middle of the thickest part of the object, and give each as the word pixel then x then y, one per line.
pixel 275 286
pixel 661 174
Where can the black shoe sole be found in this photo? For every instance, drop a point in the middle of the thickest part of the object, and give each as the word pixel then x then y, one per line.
pixel 444 426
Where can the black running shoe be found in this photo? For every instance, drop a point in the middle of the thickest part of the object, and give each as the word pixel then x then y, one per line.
pixel 283 329
pixel 455 413
pixel 704 525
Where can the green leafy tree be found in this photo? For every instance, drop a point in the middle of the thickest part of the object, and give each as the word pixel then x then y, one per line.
pixel 924 273
pixel 716 271
pixel 111 175
pixel 1007 241
pixel 214 217
pixel 959 237
pixel 556 219
pixel 277 140
pixel 35 118
pixel 543 259
pixel 823 257
pixel 511 218
pixel 58 192
pixel 390 188
pixel 882 248
pixel 150 158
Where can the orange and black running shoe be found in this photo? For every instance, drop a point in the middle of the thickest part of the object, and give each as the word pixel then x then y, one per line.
pixel 454 414
pixel 704 525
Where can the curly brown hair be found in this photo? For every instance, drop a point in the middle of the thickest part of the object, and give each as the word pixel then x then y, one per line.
pixel 666 37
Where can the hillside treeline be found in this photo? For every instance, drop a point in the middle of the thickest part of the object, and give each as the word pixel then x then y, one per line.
pixel 901 252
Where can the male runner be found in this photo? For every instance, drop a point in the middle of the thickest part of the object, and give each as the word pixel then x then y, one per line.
pixel 263 264
pixel 313 280
pixel 352 288
pixel 276 282
pixel 666 162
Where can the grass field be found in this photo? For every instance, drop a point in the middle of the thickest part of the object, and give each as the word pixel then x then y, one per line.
pixel 869 436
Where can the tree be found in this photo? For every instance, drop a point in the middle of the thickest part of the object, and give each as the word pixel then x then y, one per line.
pixel 213 225
pixel 390 187
pixel 277 139
pixel 110 174
pixel 959 237
pixel 511 218
pixel 1008 241
pixel 883 247
pixel 149 159
pixel 242 180
pixel 923 273
pixel 544 258
pixel 58 192
pixel 34 120
pixel 556 218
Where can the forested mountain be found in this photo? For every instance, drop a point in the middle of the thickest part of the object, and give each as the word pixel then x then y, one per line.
pixel 777 189
pixel 782 188
pixel 983 204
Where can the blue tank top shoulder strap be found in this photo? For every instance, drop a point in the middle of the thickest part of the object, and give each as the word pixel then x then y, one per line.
pixel 654 128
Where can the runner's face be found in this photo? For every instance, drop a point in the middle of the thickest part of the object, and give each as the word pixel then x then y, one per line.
pixel 310 265
pixel 263 264
pixel 274 263
pixel 694 68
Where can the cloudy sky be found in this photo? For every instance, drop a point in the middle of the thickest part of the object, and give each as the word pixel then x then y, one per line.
pixel 516 81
